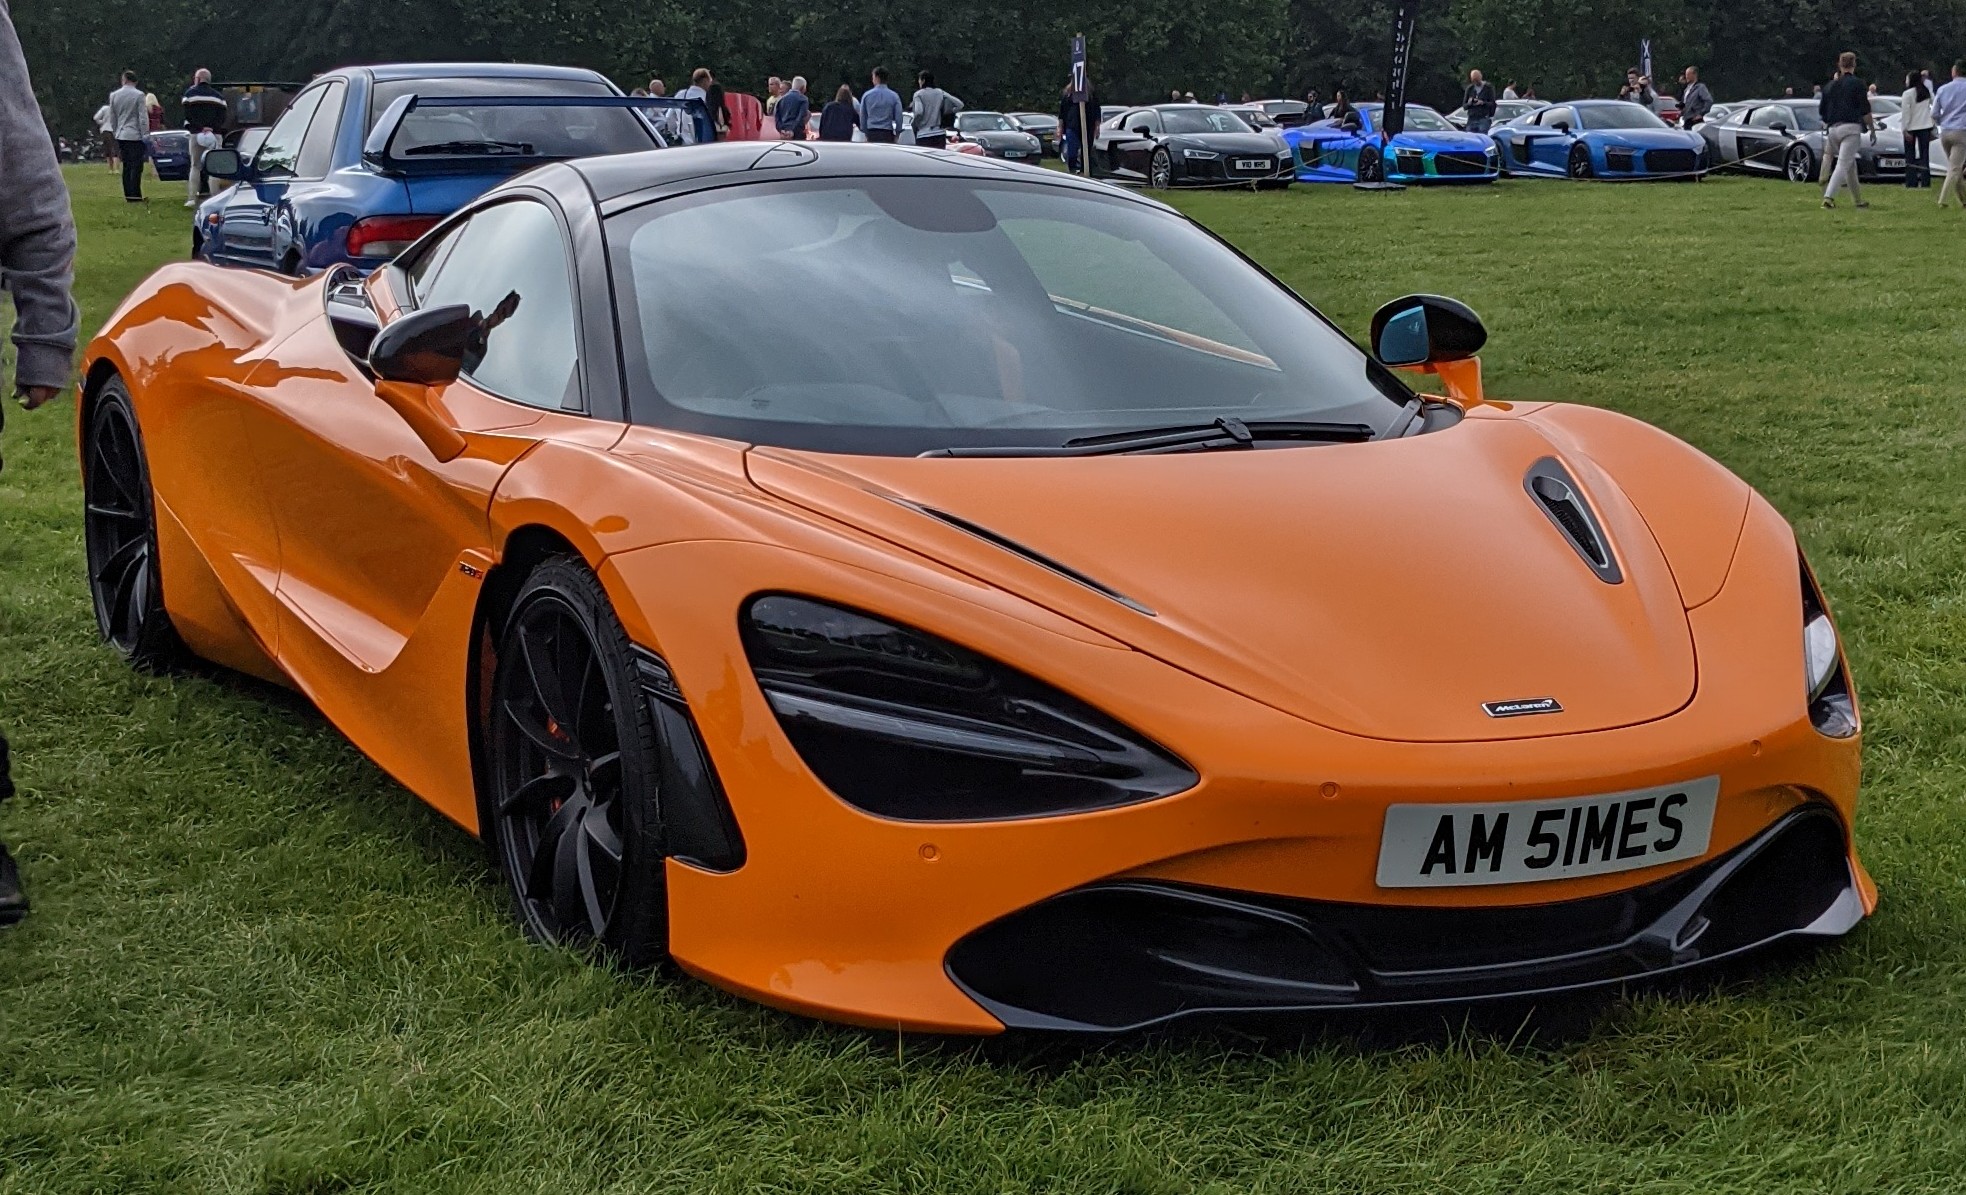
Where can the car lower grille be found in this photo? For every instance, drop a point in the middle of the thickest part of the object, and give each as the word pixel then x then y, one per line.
pixel 1460 163
pixel 1126 954
pixel 1670 161
pixel 1408 162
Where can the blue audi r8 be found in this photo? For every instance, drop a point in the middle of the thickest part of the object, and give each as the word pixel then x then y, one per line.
pixel 1613 139
pixel 367 159
pixel 1428 150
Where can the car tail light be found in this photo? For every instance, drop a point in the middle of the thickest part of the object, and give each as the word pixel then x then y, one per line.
pixel 382 237
pixel 906 725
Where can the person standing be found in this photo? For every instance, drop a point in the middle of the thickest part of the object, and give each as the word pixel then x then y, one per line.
pixel 792 111
pixel 37 269
pixel 658 89
pixel 130 117
pixel 838 119
pixel 1949 116
pixel 1845 109
pixel 1695 101
pixel 880 110
pixel 933 109
pixel 204 118
pixel 1509 92
pixel 106 134
pixel 1479 100
pixel 774 87
pixel 1916 106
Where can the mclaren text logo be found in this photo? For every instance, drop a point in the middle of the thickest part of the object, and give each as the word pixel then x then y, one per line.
pixel 1521 706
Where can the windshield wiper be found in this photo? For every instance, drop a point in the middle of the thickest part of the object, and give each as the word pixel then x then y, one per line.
pixel 523 148
pixel 1202 437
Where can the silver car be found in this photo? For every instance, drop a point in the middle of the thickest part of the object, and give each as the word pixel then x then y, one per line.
pixel 1786 138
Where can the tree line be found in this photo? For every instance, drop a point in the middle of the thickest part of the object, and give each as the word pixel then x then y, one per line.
pixel 1000 53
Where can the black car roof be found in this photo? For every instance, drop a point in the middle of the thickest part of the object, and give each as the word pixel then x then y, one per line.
pixel 618 176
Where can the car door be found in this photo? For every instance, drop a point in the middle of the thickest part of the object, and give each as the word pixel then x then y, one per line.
pixel 246 223
pixel 1133 147
pixel 1550 139
pixel 1764 137
pixel 381 543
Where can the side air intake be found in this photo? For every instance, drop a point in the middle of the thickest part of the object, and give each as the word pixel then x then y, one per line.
pixel 1551 485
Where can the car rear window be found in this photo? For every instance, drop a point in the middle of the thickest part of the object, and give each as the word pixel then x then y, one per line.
pixel 519 131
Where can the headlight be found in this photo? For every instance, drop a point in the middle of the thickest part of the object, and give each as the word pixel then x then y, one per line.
pixel 1200 155
pixel 906 725
pixel 1832 707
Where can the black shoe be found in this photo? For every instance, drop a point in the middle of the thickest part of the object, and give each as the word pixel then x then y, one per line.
pixel 13 902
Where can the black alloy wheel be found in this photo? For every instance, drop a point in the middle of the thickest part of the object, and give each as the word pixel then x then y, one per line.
pixel 1799 165
pixel 571 814
pixel 1371 166
pixel 1160 170
pixel 1580 162
pixel 119 527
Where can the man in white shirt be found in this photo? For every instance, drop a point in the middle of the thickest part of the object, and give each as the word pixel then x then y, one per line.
pixel 1949 114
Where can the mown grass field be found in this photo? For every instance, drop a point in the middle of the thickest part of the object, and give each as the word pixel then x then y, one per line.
pixel 257 965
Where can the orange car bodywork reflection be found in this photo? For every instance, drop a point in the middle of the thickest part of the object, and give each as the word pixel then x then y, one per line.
pixel 309 536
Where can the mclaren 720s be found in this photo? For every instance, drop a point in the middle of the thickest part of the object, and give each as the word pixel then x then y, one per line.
pixel 930 592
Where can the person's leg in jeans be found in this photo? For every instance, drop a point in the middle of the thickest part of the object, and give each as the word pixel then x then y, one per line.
pixel 1477 124
pixel 1953 142
pixel 1843 147
pixel 13 902
pixel 132 154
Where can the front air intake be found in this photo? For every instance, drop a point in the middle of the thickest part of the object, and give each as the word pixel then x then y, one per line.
pixel 1553 489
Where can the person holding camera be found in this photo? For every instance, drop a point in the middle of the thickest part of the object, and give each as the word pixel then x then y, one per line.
pixel 1479 100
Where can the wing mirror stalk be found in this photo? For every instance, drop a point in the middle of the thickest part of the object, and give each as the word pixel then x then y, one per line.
pixel 413 357
pixel 1433 334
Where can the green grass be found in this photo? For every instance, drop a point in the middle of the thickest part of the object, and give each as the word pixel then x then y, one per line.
pixel 255 964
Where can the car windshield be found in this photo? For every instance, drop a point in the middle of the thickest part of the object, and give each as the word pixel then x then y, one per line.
pixel 518 131
pixel 1618 116
pixel 983 122
pixel 1202 120
pixel 1426 120
pixel 901 315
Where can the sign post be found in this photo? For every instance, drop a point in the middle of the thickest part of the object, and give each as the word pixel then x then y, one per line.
pixel 1392 116
pixel 1080 91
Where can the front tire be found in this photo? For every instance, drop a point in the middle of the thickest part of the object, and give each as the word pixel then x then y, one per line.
pixel 1580 162
pixel 1160 170
pixel 1371 166
pixel 571 815
pixel 1799 165
pixel 119 528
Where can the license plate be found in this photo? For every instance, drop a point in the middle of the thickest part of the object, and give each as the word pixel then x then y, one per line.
pixel 1891 163
pixel 1519 842
pixel 1013 153
pixel 1252 164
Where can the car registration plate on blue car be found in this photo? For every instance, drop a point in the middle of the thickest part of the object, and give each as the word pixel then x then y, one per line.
pixel 1516 842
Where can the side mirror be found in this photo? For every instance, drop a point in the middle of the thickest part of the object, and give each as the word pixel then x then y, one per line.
pixel 416 352
pixel 1562 126
pixel 224 163
pixel 424 347
pixel 1426 329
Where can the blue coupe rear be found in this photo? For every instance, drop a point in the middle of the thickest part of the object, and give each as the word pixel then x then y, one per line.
pixel 318 193
pixel 1427 150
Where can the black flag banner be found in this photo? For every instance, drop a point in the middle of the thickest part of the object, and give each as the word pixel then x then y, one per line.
pixel 1392 119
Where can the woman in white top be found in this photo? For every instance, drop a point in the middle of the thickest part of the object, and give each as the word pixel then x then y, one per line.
pixel 1918 130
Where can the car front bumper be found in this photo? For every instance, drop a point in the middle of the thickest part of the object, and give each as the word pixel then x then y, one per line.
pixel 840 914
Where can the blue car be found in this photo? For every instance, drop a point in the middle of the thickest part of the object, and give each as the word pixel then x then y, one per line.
pixel 170 154
pixel 366 159
pixel 1599 139
pixel 1428 150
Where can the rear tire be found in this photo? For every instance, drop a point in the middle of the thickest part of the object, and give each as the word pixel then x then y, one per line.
pixel 120 533
pixel 571 814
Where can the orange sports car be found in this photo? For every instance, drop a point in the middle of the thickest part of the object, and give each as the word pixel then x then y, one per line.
pixel 935 593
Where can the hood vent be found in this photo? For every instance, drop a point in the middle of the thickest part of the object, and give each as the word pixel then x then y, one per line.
pixel 1037 558
pixel 1551 485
